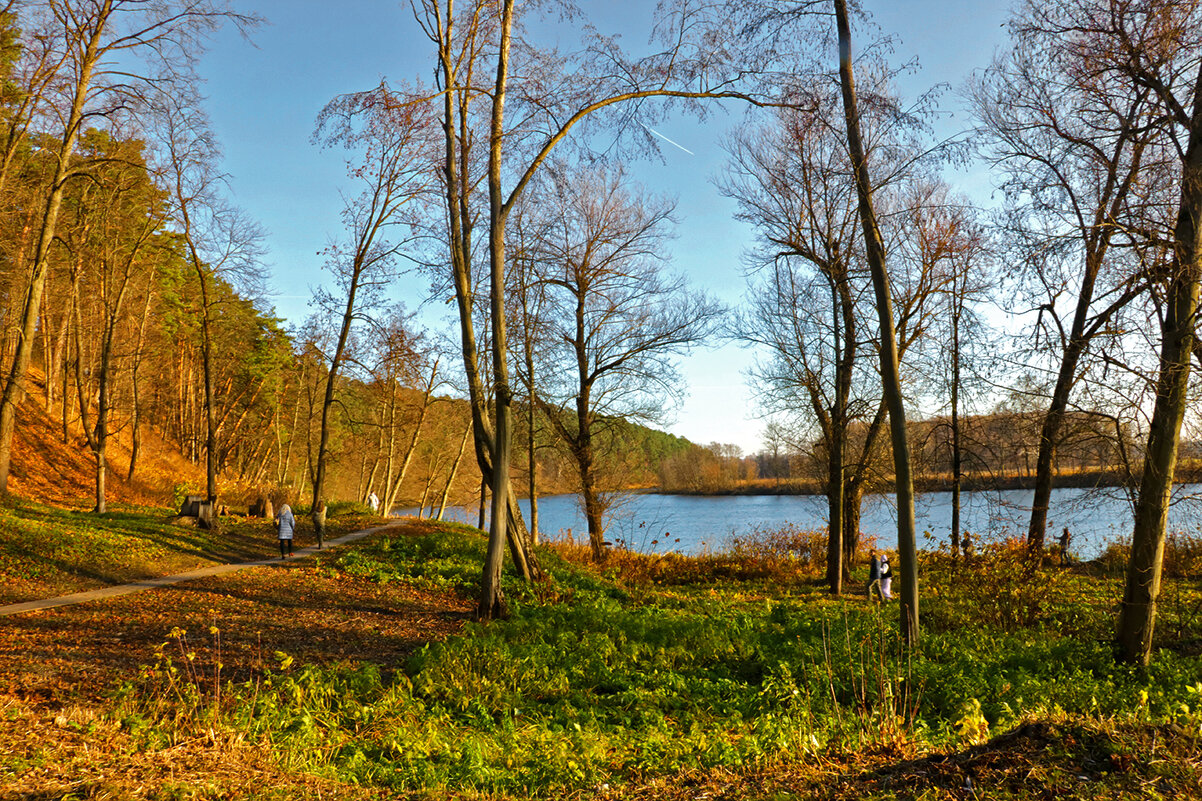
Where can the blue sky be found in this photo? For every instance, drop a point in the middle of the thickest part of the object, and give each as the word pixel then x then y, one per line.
pixel 264 97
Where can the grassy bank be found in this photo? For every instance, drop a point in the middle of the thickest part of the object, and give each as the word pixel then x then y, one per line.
pixel 672 677
pixel 48 550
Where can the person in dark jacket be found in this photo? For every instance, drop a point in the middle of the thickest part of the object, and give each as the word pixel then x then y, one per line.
pixel 874 576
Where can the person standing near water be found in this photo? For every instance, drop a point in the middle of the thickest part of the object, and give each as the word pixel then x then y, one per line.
pixel 285 527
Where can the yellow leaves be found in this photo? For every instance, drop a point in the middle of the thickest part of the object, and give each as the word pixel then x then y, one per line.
pixel 972 726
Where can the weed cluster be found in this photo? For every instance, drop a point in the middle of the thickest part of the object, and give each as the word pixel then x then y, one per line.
pixel 998 586
pixel 1182 556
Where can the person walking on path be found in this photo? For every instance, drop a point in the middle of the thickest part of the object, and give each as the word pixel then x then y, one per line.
pixel 874 577
pixel 886 579
pixel 285 527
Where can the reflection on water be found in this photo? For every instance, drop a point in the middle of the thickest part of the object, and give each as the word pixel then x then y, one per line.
pixel 693 524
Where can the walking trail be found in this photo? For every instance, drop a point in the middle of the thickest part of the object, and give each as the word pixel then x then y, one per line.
pixel 163 581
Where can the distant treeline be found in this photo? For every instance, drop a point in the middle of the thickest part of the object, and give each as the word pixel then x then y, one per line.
pixel 1000 452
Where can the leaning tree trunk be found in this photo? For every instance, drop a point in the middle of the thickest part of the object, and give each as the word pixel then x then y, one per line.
pixel 493 459
pixel 27 327
pixel 890 377
pixel 1137 617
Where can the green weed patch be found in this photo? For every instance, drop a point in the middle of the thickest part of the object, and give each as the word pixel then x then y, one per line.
pixel 598 682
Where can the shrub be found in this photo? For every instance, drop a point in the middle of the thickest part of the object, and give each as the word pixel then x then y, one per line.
pixel 789 543
pixel 1183 554
pixel 341 508
pixel 997 586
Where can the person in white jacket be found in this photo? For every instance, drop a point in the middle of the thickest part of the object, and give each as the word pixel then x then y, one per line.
pixel 886 579
pixel 285 524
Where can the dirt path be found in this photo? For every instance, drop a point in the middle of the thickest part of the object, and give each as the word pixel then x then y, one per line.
pixel 300 607
pixel 59 667
pixel 164 581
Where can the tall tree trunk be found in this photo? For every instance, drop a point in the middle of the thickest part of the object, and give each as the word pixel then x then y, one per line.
pixel 531 450
pixel 102 423
pixel 134 381
pixel 210 410
pixel 460 218
pixel 890 377
pixel 492 602
pixel 835 487
pixel 27 328
pixel 1137 617
pixel 957 454
pixel 843 324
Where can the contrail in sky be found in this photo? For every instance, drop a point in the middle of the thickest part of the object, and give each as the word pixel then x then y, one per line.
pixel 669 141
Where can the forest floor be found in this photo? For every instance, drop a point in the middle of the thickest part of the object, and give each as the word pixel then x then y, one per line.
pixel 59 669
pixel 66 676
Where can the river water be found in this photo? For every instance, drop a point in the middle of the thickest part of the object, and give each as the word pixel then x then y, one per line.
pixel 691 524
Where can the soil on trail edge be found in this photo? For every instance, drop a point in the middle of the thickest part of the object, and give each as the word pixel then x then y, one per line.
pixel 78 653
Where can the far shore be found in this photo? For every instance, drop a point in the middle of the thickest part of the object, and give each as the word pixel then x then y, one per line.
pixel 975 483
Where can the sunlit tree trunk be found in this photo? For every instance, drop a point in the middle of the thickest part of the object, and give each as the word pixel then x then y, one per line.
pixel 90 52
pixel 1137 617
pixel 890 377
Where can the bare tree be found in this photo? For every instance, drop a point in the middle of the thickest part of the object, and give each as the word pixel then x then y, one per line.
pixel 221 244
pixel 554 96
pixel 98 46
pixel 944 237
pixel 890 377
pixel 393 174
pixel 1076 142
pixel 615 318
pixel 116 217
pixel 1169 40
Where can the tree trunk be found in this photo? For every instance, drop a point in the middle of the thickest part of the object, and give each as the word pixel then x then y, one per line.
pixel 492 602
pixel 1049 439
pixel 843 324
pixel 13 384
pixel 531 457
pixel 206 350
pixel 890 377
pixel 957 455
pixel 1137 617
pixel 480 518
pixel 594 512
pixel 492 445
pixel 853 502
pixel 135 402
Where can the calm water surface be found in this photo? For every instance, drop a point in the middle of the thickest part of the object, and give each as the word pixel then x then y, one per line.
pixel 693 524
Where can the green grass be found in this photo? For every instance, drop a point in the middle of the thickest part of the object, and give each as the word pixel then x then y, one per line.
pixel 47 550
pixel 594 681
